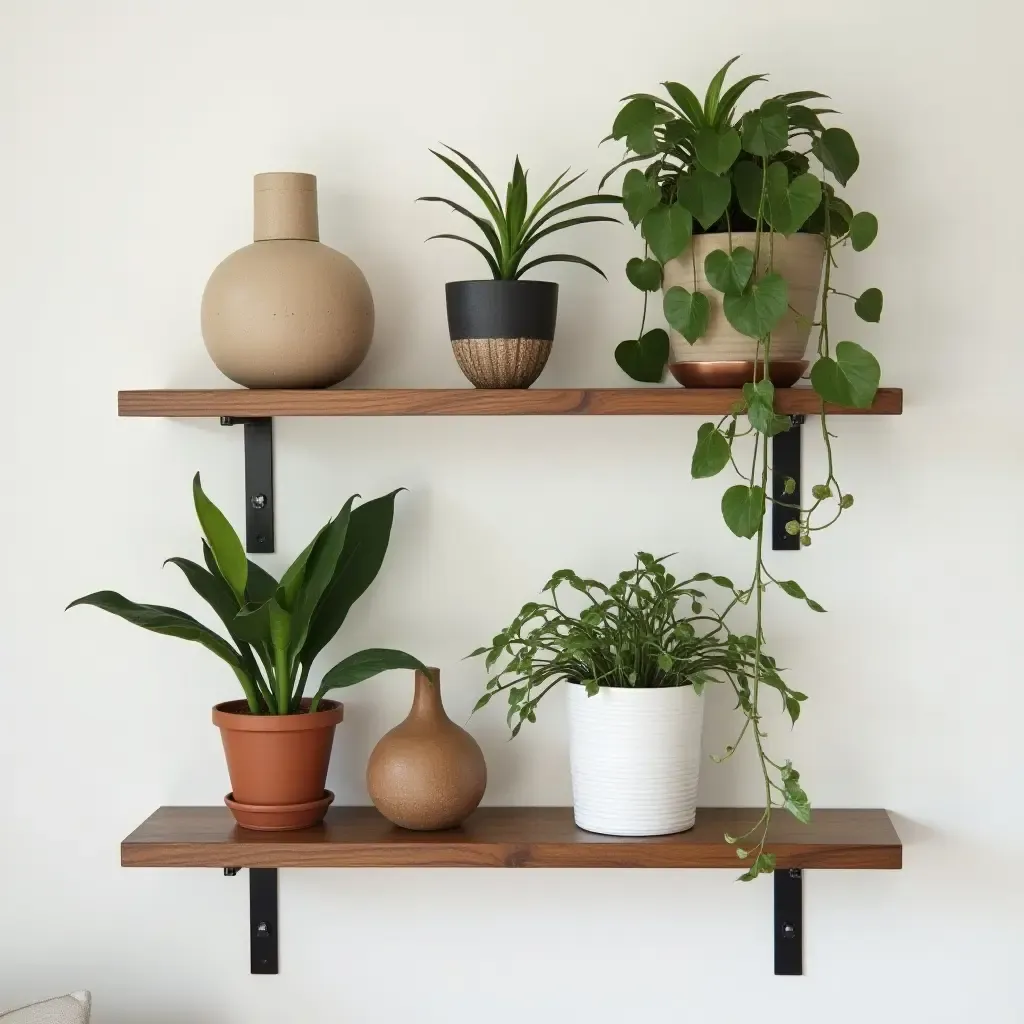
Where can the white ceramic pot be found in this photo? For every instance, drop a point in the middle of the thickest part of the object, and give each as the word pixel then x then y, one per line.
pixel 635 758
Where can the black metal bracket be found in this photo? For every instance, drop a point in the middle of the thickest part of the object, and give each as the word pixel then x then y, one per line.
pixel 259 482
pixel 263 919
pixel 789 921
pixel 786 465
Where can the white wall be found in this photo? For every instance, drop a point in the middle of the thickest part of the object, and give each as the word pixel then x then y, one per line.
pixel 130 133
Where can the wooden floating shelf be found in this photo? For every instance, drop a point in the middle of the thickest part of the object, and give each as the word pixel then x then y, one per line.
pixel 505 837
pixel 637 401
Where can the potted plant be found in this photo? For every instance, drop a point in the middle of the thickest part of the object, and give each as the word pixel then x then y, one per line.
pixel 736 231
pixel 277 740
pixel 637 657
pixel 502 329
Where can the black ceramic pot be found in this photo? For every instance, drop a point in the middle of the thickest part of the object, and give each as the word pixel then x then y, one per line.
pixel 502 331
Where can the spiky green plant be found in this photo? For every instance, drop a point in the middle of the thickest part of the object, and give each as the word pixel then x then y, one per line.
pixel 277 628
pixel 513 228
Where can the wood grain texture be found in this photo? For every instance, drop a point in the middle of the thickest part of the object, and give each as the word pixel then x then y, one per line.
pixel 667 401
pixel 505 837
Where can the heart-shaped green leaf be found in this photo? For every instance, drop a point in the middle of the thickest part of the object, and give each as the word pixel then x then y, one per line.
pixel 747 179
pixel 760 399
pixel 766 130
pixel 667 230
pixel 710 454
pixel 644 359
pixel 704 194
pixel 863 229
pixel 687 312
pixel 640 195
pixel 717 151
pixel 644 274
pixel 837 152
pixel 869 305
pixel 851 379
pixel 635 123
pixel 729 272
pixel 743 509
pixel 756 312
pixel 790 203
pixel 803 117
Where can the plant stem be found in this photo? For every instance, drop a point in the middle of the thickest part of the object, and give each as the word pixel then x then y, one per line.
pixel 283 680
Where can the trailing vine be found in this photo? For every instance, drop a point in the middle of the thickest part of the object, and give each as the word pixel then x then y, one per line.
pixel 709 170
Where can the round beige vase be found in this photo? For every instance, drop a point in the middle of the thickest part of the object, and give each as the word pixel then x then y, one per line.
pixel 286 311
pixel 724 358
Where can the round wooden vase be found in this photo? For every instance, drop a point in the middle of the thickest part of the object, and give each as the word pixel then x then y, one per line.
pixel 427 773
pixel 286 311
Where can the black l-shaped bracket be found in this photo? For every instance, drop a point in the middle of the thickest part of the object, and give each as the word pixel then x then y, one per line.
pixel 786 464
pixel 263 919
pixel 789 921
pixel 259 482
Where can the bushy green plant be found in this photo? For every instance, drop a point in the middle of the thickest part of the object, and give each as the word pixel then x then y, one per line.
pixel 512 229
pixel 277 628
pixel 635 634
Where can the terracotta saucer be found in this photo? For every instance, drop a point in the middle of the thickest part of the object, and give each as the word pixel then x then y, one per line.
pixel 281 817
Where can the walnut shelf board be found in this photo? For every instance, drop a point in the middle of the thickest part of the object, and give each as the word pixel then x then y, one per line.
pixel 638 401
pixel 505 837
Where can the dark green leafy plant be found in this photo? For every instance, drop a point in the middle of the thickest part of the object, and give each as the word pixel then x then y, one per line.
pixel 710 169
pixel 634 634
pixel 512 229
pixel 277 628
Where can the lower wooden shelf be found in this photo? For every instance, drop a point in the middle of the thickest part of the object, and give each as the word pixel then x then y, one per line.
pixel 505 837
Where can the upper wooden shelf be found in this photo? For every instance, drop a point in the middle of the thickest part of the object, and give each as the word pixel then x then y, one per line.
pixel 505 837
pixel 638 401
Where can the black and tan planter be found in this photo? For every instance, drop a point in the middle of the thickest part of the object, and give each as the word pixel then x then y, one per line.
pixel 501 331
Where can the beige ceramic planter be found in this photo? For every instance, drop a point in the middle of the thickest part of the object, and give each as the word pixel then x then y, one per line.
pixel 286 311
pixel 724 357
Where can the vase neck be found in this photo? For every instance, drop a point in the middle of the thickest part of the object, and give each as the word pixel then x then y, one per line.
pixel 426 701
pixel 284 206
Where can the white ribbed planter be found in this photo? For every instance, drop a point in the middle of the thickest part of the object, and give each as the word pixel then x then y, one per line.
pixel 635 758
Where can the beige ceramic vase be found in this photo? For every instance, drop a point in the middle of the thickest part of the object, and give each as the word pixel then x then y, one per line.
pixel 286 311
pixel 427 773
pixel 724 358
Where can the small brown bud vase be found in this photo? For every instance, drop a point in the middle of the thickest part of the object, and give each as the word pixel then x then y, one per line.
pixel 427 773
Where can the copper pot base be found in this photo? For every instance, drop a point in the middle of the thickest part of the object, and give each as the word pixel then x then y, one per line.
pixel 734 374
pixel 282 817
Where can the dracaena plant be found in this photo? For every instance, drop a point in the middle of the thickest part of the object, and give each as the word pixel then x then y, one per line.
pixel 277 628
pixel 512 228
pixel 647 629
pixel 709 168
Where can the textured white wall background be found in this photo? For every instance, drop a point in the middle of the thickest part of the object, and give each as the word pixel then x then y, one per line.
pixel 130 133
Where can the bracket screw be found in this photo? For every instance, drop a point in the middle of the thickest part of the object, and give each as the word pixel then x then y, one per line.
pixel 788 930
pixel 258 501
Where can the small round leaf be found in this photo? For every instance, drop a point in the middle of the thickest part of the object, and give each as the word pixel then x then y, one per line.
pixel 869 305
pixel 863 230
pixel 644 274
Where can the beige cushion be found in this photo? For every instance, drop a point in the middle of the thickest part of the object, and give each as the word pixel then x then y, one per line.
pixel 70 1009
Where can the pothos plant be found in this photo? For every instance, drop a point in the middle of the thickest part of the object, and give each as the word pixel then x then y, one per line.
pixel 707 168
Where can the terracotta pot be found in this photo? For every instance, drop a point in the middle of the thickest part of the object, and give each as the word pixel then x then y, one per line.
pixel 501 331
pixel 286 311
pixel 427 773
pixel 724 357
pixel 277 763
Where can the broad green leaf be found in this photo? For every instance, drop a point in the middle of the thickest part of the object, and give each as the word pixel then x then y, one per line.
pixel 747 178
pixel 743 509
pixel 837 152
pixel 160 619
pixel 686 101
pixel 280 627
pixel 704 194
pixel 711 453
pixel 765 131
pixel 793 588
pixel 252 623
pixel 715 89
pixel 760 399
pixel 640 195
pixel 687 312
pixel 717 151
pixel 635 123
pixel 363 665
pixel 863 230
pixel 644 359
pixel 850 379
pixel 644 274
pixel 667 230
pixel 800 809
pixel 261 586
pixel 729 272
pixel 790 203
pixel 366 543
pixel 801 117
pixel 757 311
pixel 869 305
pixel 295 573
pixel 224 543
